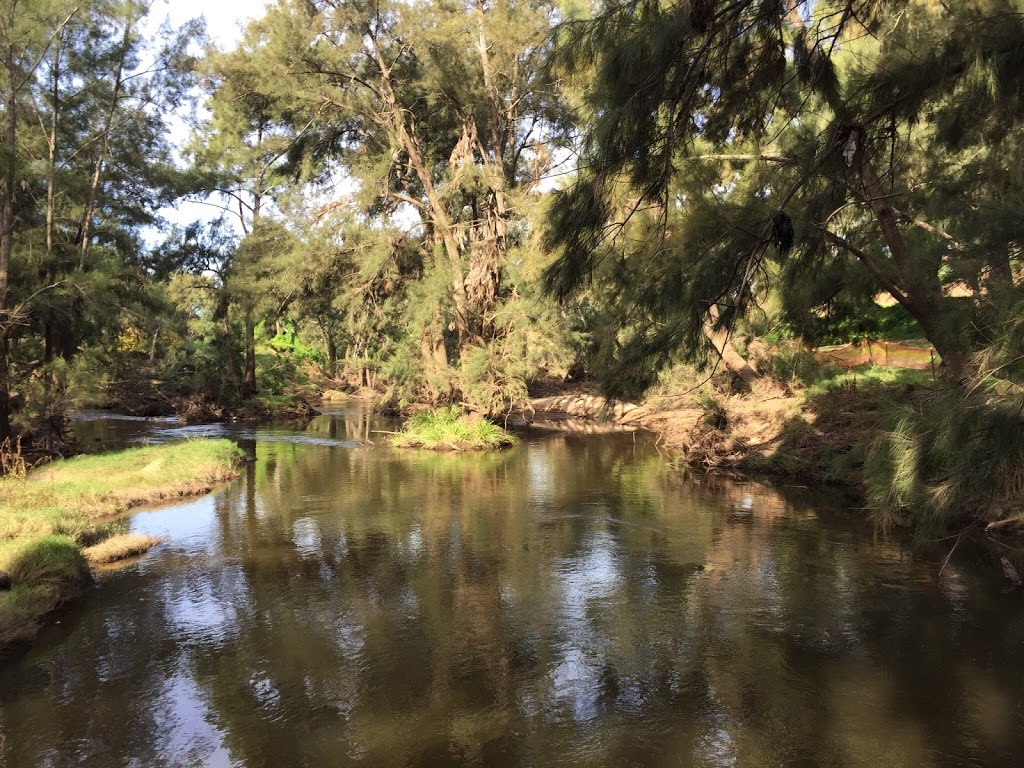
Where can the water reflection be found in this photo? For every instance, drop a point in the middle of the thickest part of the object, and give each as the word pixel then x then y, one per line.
pixel 567 602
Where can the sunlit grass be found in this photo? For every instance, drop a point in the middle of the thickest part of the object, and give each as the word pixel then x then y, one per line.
pixel 94 487
pixel 447 428
pixel 871 376
pixel 50 515
pixel 120 547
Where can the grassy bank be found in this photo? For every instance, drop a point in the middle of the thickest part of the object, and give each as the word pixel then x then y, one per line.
pixel 449 429
pixel 58 518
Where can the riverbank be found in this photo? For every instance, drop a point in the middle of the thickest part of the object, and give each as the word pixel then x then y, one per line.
pixel 915 451
pixel 57 518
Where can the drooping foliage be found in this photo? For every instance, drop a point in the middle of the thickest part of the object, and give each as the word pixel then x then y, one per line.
pixel 755 147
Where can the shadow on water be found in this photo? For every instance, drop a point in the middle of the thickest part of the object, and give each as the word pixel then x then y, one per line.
pixel 567 602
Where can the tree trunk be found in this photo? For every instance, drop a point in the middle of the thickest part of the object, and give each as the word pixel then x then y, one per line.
pixel 442 225
pixel 332 357
pixel 101 156
pixel 51 169
pixel 152 348
pixel 925 305
pixel 223 314
pixel 8 182
pixel 249 385
pixel 733 360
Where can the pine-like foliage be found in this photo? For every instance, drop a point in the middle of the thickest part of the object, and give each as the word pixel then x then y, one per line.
pixel 808 149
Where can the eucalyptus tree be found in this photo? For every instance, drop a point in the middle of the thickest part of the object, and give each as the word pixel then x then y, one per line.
pixel 734 141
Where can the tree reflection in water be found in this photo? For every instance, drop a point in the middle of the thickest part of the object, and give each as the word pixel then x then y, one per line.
pixel 567 602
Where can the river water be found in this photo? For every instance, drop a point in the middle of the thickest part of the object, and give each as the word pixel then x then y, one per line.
pixel 569 602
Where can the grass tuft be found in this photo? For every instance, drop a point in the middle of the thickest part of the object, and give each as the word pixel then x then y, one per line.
pixel 45 572
pixel 120 548
pixel 948 459
pixel 448 429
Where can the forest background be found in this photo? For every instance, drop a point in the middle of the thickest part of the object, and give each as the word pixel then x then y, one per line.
pixel 468 201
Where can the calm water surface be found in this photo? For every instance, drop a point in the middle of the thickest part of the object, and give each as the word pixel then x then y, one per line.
pixel 569 602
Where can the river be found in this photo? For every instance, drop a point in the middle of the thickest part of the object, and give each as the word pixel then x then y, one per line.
pixel 569 602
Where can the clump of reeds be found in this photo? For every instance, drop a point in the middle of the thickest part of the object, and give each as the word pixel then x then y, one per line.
pixel 449 429
pixel 948 459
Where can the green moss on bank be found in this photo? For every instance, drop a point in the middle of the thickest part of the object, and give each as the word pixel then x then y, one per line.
pixel 50 515
pixel 449 429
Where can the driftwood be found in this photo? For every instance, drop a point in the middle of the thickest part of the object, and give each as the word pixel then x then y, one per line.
pixel 1012 523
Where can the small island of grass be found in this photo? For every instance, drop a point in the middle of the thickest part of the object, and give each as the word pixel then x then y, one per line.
pixel 58 519
pixel 448 429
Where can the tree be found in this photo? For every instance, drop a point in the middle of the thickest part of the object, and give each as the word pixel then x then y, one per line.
pixel 27 30
pixel 415 128
pixel 240 151
pixel 86 165
pixel 730 135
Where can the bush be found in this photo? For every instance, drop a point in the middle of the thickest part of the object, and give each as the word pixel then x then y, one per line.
pixel 793 364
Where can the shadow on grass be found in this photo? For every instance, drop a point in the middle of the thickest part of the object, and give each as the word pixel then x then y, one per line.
pixel 829 441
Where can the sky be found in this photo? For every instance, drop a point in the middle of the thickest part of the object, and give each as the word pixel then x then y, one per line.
pixel 225 20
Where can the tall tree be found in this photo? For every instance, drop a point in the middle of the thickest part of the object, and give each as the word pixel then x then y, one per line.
pixel 428 118
pixel 730 134
pixel 86 165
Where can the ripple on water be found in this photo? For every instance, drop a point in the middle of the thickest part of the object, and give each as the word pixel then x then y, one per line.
pixel 570 603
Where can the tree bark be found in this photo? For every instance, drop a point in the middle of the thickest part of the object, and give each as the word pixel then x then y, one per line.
pixel 733 360
pixel 101 155
pixel 442 224
pixel 249 385
pixel 924 305
pixel 223 314
pixel 8 181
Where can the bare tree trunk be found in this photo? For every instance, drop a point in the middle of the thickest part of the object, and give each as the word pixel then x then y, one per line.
pixel 223 314
pixel 733 360
pixel 8 182
pixel 442 224
pixel 51 175
pixel 101 156
pixel 249 385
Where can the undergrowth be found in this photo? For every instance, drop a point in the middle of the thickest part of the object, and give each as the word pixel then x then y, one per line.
pixel 946 459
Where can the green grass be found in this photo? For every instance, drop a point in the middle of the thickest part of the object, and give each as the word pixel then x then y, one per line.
pixel 120 547
pixel 948 459
pixel 50 515
pixel 45 572
pixel 449 429
pixel 869 376
pixel 94 487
